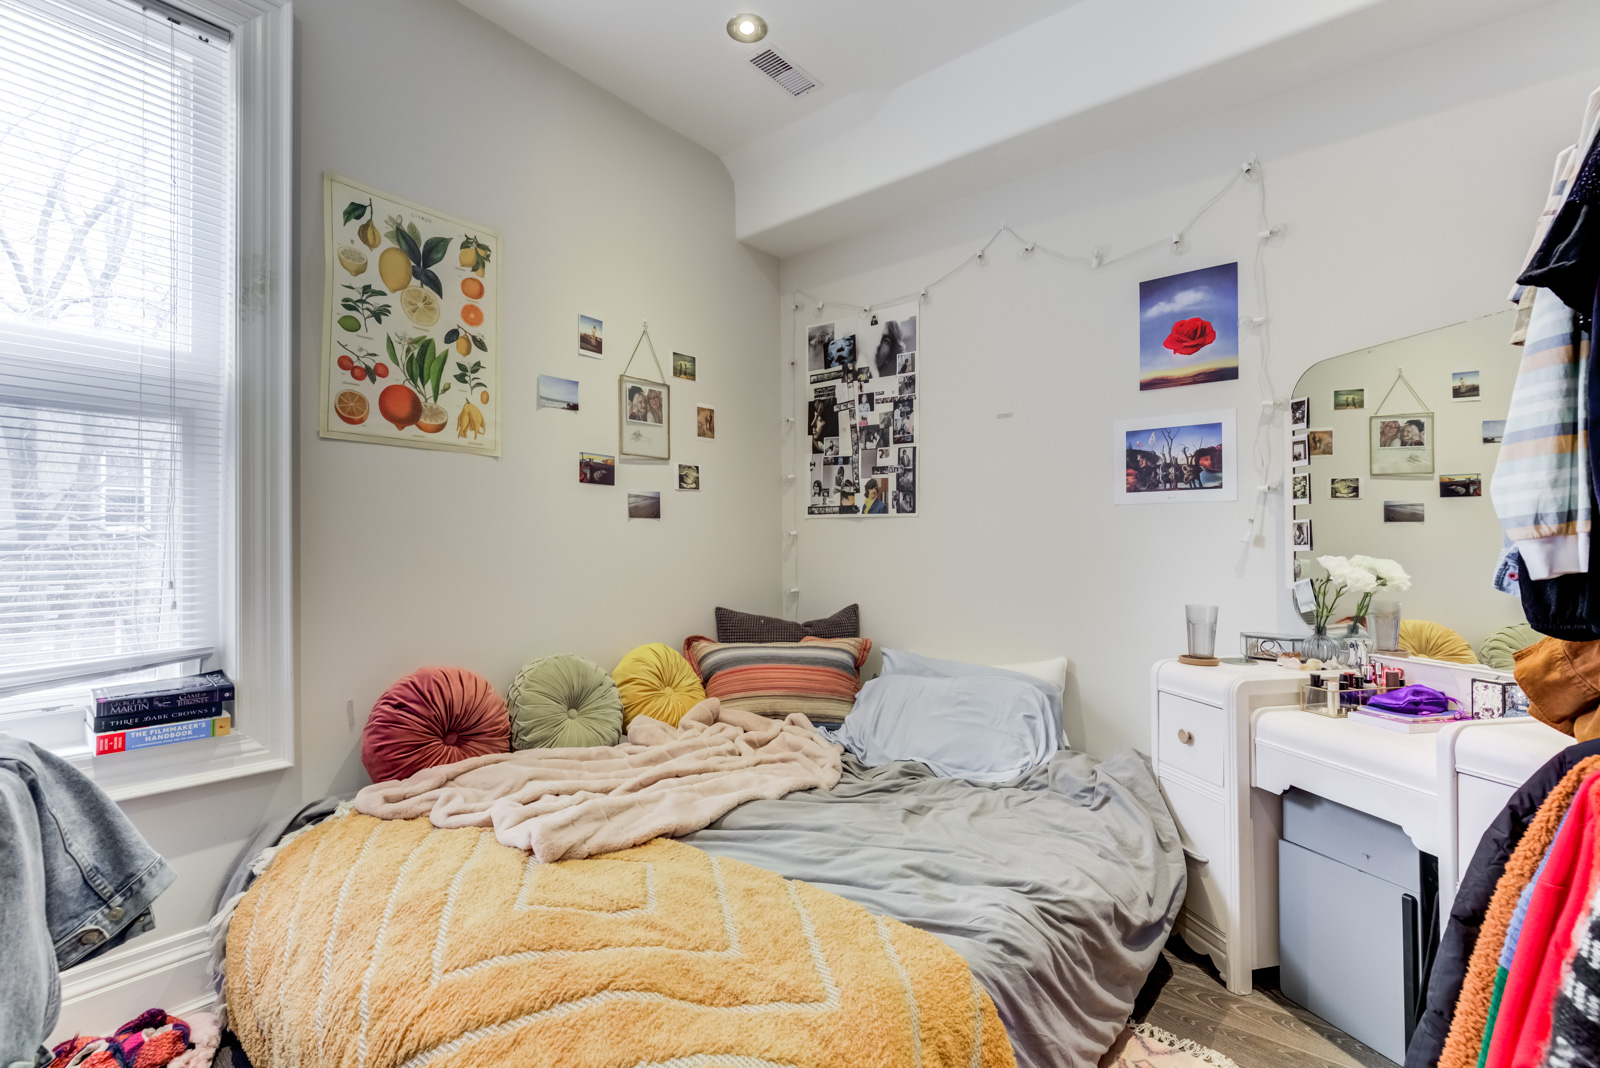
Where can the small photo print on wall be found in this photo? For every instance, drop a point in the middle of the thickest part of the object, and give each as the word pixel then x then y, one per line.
pixel 1402 511
pixel 705 422
pixel 644 404
pixel 903 428
pixel 1299 414
pixel 645 504
pixel 818 338
pixel 1461 485
pixel 597 469
pixel 1344 489
pixel 1300 489
pixel 688 476
pixel 842 355
pixel 897 345
pixel 1464 386
pixel 1300 536
pixel 558 393
pixel 1320 442
pixel 1299 452
pixel 1494 431
pixel 1187 459
pixel 1189 328
pixel 905 482
pixel 590 341
pixel 1347 400
pixel 683 366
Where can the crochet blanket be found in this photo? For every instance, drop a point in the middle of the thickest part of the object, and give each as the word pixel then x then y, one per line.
pixel 566 803
pixel 380 944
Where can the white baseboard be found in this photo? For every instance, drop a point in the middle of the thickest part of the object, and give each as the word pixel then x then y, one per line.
pixel 146 973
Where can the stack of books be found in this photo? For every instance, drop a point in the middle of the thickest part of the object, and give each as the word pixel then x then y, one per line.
pixel 140 715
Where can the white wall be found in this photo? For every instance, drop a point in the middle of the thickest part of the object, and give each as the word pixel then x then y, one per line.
pixel 1409 189
pixel 407 557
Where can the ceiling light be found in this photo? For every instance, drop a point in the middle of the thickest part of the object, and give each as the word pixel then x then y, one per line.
pixel 747 29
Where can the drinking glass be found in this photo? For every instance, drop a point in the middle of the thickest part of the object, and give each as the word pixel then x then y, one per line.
pixel 1384 618
pixel 1202 622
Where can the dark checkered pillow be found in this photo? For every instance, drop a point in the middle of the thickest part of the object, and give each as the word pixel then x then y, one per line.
pixel 743 627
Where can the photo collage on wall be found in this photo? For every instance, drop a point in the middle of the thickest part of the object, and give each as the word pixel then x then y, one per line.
pixel 862 415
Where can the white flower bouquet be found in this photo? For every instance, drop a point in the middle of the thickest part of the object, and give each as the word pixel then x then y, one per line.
pixel 1361 575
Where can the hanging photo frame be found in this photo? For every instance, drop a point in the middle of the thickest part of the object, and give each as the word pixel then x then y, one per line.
pixel 644 409
pixel 1401 443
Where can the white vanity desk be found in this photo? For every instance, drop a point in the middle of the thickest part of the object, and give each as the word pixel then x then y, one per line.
pixel 1228 741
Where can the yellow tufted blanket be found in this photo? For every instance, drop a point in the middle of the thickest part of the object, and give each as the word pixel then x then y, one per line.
pixel 395 944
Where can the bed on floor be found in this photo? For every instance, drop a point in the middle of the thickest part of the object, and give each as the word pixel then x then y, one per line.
pixel 899 917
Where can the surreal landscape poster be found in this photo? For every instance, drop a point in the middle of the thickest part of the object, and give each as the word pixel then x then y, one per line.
pixel 1189 328
pixel 1176 459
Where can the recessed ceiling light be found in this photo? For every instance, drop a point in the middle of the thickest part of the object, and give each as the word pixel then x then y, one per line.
pixel 747 29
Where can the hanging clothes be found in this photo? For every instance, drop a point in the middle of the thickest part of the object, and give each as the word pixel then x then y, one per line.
pixel 76 880
pixel 1568 872
pixel 1567 261
pixel 1562 681
pixel 1509 951
pixel 1568 162
pixel 1540 485
pixel 1467 928
pixel 1575 1019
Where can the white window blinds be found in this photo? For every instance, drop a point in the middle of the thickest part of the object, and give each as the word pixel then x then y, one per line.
pixel 116 337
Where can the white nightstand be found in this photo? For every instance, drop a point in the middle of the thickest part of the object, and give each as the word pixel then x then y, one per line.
pixel 1200 744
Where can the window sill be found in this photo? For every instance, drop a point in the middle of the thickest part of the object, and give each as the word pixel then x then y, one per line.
pixel 124 776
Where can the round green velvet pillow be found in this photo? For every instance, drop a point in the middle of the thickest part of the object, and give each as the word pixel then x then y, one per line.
pixel 1498 648
pixel 565 701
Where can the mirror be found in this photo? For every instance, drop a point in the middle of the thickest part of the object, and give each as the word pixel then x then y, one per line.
pixel 1438 524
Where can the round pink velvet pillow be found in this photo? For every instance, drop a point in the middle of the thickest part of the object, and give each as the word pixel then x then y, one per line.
pixel 436 715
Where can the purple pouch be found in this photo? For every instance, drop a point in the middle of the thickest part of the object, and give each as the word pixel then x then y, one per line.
pixel 1414 700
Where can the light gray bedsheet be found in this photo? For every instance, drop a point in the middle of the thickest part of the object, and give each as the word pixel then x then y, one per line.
pixel 1059 888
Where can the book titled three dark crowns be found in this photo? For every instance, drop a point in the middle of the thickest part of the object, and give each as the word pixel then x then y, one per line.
pixel 146 704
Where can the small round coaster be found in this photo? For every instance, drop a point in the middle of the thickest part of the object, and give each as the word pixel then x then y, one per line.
pixel 1199 661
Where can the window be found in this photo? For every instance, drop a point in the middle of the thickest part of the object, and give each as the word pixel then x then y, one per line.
pixel 143 416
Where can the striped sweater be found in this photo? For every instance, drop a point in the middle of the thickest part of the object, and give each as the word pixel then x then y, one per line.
pixel 1540 485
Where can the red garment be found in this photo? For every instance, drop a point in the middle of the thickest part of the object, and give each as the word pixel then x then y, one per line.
pixel 1570 926
pixel 1568 872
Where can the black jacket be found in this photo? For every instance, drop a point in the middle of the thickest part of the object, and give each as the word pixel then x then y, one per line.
pixel 1472 902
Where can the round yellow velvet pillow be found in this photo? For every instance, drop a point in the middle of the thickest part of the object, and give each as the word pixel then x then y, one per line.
pixel 658 682
pixel 1435 641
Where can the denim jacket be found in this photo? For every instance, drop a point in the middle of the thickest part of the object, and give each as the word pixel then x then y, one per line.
pixel 76 879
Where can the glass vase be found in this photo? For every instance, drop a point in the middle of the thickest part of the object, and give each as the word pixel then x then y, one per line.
pixel 1321 645
pixel 1357 635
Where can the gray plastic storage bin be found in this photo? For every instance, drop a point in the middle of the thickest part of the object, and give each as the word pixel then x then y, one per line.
pixel 1356 920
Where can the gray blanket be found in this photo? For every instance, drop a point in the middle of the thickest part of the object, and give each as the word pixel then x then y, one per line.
pixel 1059 888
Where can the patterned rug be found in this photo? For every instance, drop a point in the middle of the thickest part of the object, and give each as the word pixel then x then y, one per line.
pixel 1146 1046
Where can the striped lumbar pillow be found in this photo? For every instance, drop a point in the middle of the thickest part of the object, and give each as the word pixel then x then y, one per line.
pixel 817 677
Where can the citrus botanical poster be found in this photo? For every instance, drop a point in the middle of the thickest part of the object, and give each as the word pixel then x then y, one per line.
pixel 410 343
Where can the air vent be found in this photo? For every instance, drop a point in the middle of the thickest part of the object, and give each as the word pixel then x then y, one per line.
pixel 795 81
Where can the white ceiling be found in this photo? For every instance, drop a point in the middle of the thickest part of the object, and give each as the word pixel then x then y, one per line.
pixel 673 59
pixel 924 101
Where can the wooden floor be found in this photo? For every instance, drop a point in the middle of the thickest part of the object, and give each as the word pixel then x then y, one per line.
pixel 1263 1030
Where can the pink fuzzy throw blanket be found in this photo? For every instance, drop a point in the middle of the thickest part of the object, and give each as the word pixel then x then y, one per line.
pixel 560 804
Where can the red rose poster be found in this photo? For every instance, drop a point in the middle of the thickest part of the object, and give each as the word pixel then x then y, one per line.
pixel 1189 328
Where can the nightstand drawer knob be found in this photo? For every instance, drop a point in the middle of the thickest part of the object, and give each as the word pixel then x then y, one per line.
pixel 1185 737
